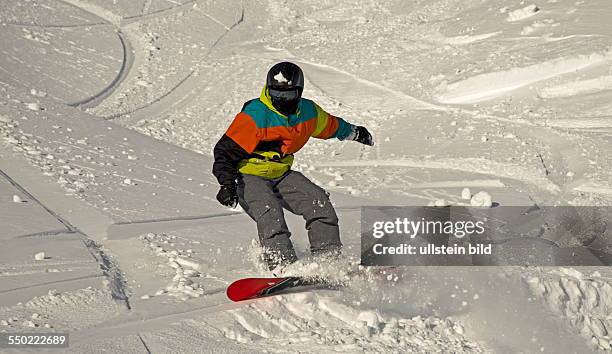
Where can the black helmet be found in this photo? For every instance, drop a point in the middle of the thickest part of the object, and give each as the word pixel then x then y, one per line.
pixel 284 76
pixel 285 83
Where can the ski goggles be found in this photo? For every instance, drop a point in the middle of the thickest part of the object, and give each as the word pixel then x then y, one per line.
pixel 286 95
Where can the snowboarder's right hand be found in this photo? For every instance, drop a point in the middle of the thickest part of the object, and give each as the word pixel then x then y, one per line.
pixel 228 196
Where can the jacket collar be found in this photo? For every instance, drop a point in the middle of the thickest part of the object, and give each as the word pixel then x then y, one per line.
pixel 265 99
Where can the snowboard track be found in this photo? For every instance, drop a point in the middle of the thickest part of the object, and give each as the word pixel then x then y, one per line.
pixel 128 56
pixel 47 233
pixel 111 270
pixel 182 83
pixel 126 65
pixel 126 60
pixel 68 225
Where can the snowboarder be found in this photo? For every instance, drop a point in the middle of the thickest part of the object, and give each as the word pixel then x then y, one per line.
pixel 253 165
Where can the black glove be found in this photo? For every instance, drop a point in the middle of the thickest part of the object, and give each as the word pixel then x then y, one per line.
pixel 362 135
pixel 228 196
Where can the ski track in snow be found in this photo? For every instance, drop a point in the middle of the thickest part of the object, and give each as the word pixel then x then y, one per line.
pixel 126 60
pixel 185 89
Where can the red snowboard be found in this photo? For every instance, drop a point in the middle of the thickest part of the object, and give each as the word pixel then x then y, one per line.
pixel 252 288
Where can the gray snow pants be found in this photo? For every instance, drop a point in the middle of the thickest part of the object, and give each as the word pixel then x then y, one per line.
pixel 264 199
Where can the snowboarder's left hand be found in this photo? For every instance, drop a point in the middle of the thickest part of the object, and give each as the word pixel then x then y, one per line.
pixel 228 196
pixel 362 135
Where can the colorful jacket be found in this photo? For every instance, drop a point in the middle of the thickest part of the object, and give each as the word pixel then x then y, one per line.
pixel 261 141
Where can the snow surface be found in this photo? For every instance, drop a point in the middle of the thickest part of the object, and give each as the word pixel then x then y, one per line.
pixel 109 111
pixel 523 13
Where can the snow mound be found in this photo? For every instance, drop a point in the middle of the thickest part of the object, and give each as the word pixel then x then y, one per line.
pixel 523 13
pixel 186 269
pixel 481 199
pixel 466 193
pixel 34 106
pixel 577 87
pixel 490 85
pixel 308 321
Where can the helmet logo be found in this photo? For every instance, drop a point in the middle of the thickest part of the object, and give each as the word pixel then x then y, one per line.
pixel 280 78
